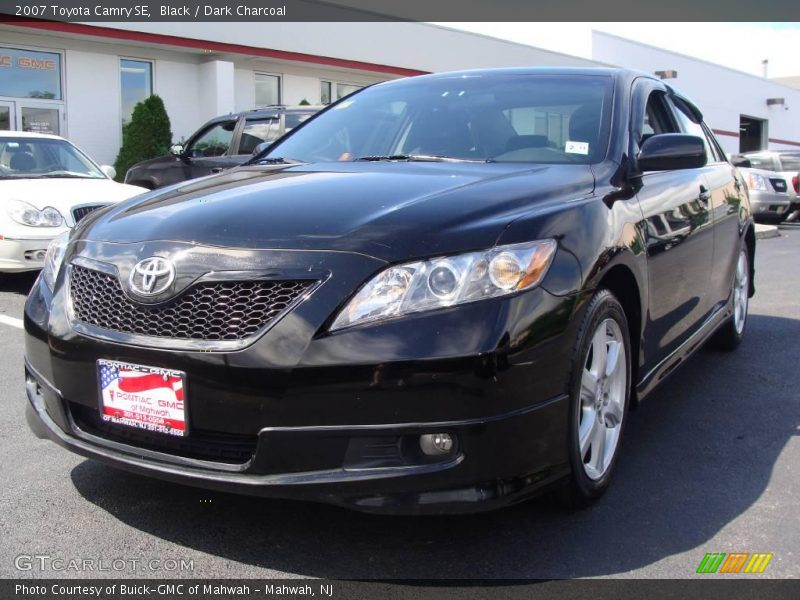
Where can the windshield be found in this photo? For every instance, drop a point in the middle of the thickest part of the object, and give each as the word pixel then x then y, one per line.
pixel 504 118
pixel 790 162
pixel 35 158
pixel 762 161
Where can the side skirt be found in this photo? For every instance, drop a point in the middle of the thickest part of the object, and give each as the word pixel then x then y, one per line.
pixel 663 369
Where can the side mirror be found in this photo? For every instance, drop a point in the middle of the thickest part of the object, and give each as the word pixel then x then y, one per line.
pixel 260 148
pixel 109 171
pixel 740 161
pixel 671 151
pixel 176 150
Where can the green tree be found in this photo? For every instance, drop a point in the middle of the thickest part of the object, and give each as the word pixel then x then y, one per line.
pixel 147 135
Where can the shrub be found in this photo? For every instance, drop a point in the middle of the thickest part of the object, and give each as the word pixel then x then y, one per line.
pixel 147 135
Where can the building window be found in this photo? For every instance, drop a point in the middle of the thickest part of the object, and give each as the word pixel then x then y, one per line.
pixel 268 89
pixel 345 89
pixel 327 89
pixel 136 84
pixel 30 74
pixel 325 92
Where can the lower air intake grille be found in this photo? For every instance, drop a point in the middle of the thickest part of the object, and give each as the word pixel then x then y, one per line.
pixel 779 185
pixel 218 311
pixel 203 445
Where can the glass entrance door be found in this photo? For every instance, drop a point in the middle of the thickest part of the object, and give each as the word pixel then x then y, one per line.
pixel 39 117
pixel 8 117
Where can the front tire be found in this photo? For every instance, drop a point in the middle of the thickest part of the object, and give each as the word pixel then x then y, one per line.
pixel 599 394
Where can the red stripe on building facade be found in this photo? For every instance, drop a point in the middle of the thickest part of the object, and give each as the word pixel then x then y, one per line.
pixel 772 140
pixel 182 42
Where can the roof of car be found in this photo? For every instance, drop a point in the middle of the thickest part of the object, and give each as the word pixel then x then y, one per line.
pixel 769 152
pixel 29 134
pixel 263 111
pixel 603 71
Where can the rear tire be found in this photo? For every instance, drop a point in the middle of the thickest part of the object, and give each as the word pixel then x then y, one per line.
pixel 730 335
pixel 599 395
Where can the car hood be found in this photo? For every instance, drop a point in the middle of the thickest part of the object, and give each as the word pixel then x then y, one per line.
pixel 63 194
pixel 391 210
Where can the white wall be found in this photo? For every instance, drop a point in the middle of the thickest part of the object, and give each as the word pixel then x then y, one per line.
pixel 178 84
pixel 722 94
pixel 93 80
pixel 216 89
pixel 409 45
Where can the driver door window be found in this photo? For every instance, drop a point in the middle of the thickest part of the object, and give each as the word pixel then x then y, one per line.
pixel 214 141
pixel 657 118
pixel 257 131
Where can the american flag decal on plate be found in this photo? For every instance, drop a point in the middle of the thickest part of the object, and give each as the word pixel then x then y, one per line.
pixel 149 398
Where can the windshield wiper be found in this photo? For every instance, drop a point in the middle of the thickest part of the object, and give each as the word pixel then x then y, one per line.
pixel 63 176
pixel 418 158
pixel 276 161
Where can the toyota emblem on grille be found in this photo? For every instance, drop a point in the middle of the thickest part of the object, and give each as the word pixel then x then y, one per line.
pixel 152 276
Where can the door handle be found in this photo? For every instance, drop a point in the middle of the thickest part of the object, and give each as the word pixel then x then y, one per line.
pixel 737 184
pixel 217 169
pixel 705 195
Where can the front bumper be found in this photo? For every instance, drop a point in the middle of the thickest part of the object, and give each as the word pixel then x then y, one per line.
pixel 770 205
pixel 22 253
pixel 446 486
pixel 335 418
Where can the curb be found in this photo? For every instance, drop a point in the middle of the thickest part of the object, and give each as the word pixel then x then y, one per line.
pixel 764 232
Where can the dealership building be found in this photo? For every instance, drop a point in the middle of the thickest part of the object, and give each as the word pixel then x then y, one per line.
pixel 82 80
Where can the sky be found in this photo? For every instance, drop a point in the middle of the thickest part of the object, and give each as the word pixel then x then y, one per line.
pixel 741 46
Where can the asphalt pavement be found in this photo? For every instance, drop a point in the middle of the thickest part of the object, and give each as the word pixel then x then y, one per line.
pixel 710 463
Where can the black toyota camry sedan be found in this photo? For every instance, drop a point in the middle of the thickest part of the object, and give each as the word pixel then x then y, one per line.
pixel 440 294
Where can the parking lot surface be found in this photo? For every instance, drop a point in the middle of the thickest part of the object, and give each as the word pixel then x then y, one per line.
pixel 710 463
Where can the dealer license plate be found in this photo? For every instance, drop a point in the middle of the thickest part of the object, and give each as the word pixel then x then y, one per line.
pixel 148 398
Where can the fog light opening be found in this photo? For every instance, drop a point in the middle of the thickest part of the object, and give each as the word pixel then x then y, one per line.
pixel 436 444
pixel 37 255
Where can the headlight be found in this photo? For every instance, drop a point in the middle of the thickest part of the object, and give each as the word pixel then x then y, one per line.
pixel 448 281
pixel 54 258
pixel 25 214
pixel 757 182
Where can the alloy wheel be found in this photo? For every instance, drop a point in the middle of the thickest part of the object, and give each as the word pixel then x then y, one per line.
pixel 602 395
pixel 741 284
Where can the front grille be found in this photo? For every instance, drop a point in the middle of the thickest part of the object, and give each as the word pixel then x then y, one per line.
pixel 779 185
pixel 203 445
pixel 213 311
pixel 81 211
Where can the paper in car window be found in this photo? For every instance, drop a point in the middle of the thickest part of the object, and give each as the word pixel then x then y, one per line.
pixel 576 147
pixel 344 104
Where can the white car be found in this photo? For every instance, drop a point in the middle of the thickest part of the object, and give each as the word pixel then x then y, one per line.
pixel 46 186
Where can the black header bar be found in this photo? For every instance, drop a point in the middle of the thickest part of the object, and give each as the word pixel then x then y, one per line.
pixel 400 10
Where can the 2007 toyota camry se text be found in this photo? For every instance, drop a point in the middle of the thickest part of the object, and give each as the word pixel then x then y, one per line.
pixel 440 294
